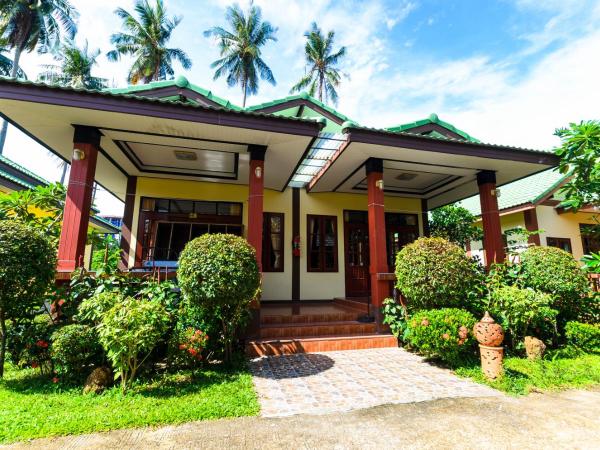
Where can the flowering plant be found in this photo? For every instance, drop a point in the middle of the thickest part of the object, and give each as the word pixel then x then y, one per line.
pixel 188 345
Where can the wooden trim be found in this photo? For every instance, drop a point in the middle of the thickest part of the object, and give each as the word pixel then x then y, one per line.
pixel 255 207
pixel 321 218
pixel 425 217
pixel 531 224
pixel 295 233
pixel 128 221
pixel 302 103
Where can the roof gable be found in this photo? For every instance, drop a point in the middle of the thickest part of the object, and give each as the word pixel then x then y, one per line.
pixel 179 90
pixel 435 127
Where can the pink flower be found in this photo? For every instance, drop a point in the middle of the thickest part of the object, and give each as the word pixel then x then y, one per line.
pixel 446 336
pixel 425 322
pixel 55 380
pixel 182 347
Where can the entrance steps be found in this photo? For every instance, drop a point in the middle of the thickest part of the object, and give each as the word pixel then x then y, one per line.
pixel 315 327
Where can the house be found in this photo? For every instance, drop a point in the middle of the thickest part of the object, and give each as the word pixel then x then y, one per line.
pixel 14 177
pixel 533 204
pixel 326 202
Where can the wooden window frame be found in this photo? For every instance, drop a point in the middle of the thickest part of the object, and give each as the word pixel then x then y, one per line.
pixel 558 240
pixel 322 219
pixel 266 242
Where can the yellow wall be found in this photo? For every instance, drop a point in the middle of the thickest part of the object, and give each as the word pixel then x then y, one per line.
pixel 564 225
pixel 318 286
pixel 278 285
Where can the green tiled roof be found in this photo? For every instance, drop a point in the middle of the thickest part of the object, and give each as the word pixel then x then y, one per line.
pixel 15 180
pixel 14 165
pixel 180 82
pixel 304 96
pixel 526 190
pixel 433 119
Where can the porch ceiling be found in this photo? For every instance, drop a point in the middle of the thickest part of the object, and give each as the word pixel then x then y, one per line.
pixel 439 170
pixel 146 137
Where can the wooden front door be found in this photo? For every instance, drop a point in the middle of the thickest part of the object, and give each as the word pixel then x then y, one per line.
pixel 356 248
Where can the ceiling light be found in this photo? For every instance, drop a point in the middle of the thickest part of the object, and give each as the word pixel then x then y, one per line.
pixel 185 156
pixel 406 176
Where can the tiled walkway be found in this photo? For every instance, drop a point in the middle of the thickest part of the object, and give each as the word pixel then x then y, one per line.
pixel 341 381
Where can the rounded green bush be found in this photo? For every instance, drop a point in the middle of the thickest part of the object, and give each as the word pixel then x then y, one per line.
pixel 434 273
pixel 555 272
pixel 219 273
pixel 584 336
pixel 92 310
pixel 444 333
pixel 75 348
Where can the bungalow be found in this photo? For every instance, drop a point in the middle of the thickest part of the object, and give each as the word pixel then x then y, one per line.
pixel 327 203
pixel 533 204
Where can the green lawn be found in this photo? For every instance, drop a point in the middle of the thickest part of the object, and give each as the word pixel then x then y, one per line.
pixel 34 407
pixel 523 376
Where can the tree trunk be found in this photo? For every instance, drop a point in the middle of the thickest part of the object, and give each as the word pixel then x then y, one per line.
pixel 64 173
pixel 320 87
pixel 244 83
pixel 13 74
pixel 2 342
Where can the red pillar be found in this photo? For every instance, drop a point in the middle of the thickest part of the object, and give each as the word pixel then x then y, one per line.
pixel 71 247
pixel 377 237
pixel 256 178
pixel 493 245
pixel 128 222
pixel 531 224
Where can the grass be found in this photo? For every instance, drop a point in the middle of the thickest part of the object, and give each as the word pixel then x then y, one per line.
pixel 522 376
pixel 34 407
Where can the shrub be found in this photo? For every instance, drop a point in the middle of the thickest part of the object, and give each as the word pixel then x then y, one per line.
pixel 92 310
pixel 219 273
pixel 455 224
pixel 394 315
pixel 186 347
pixel 434 273
pixel 29 342
pixel 554 271
pixel 584 336
pixel 522 312
pixel 444 333
pixel 27 266
pixel 74 348
pixel 128 332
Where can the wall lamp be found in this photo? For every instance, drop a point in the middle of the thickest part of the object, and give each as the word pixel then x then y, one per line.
pixel 379 184
pixel 78 155
pixel 258 172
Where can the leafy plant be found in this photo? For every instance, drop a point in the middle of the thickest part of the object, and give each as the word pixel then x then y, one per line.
pixel 444 333
pixel 187 347
pixel 27 266
pixel 580 158
pixel 106 254
pixel 219 273
pixel 554 271
pixel 240 49
pixel 394 315
pixel 584 336
pixel 592 262
pixel 92 310
pixel 29 342
pixel 523 312
pixel 323 75
pixel 128 332
pixel 455 224
pixel 74 348
pixel 433 273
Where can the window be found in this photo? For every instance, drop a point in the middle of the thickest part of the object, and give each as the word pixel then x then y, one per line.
pixel 562 243
pixel 589 238
pixel 272 252
pixel 322 244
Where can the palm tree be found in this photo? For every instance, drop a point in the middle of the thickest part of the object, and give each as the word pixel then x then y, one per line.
pixel 240 50
pixel 324 75
pixel 75 68
pixel 145 39
pixel 30 24
pixel 6 64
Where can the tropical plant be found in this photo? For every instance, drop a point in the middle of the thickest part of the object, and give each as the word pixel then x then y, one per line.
pixel 30 24
pixel 435 273
pixel 92 309
pixel 74 68
pixel 555 272
pixel 394 315
pixel 28 342
pixel 523 312
pixel 580 158
pixel 219 273
pixel 323 75
pixel 592 262
pixel 128 332
pixel 145 39
pixel 455 224
pixel 187 347
pixel 106 253
pixel 240 50
pixel 6 63
pixel 444 333
pixel 27 266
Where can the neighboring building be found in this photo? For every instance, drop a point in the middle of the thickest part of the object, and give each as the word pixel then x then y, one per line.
pixel 532 204
pixel 326 202
pixel 14 177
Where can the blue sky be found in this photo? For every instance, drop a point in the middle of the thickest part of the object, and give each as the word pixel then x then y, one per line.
pixel 505 71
